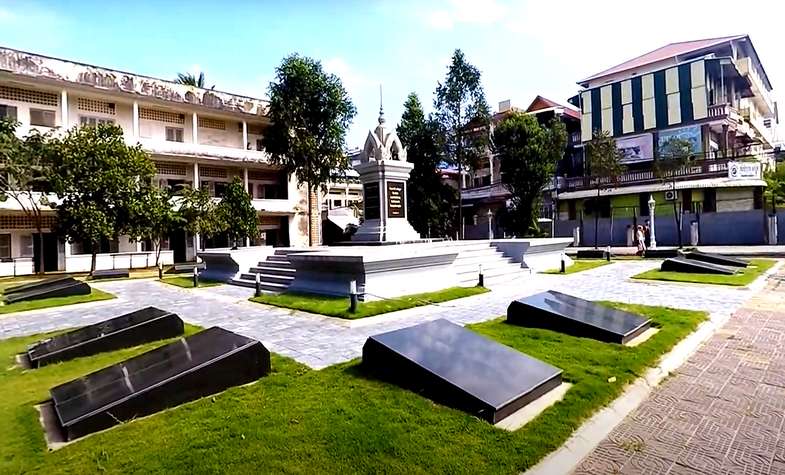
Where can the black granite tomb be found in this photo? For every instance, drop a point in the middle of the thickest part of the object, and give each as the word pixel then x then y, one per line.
pixel 591 254
pixel 142 326
pixel 55 287
pixel 716 259
pixel 459 368
pixel 110 274
pixel 186 268
pixel 193 367
pixel 680 264
pixel 660 253
pixel 564 313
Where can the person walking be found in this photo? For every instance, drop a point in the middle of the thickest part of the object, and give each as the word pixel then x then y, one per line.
pixel 641 238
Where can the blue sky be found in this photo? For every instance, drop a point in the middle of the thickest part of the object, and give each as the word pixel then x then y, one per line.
pixel 522 48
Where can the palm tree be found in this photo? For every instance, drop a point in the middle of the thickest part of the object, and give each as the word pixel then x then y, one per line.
pixel 189 79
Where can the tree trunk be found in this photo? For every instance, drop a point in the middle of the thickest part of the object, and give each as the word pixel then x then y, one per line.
pixel 310 218
pixel 460 202
pixel 596 218
pixel 157 244
pixel 40 251
pixel 94 257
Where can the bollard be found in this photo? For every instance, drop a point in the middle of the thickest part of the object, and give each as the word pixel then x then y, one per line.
pixel 608 253
pixel 196 277
pixel 562 267
pixel 258 292
pixel 160 271
pixel 481 280
pixel 353 296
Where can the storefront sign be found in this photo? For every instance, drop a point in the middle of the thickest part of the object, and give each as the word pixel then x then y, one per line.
pixel 395 199
pixel 690 134
pixel 743 170
pixel 636 149
pixel 371 198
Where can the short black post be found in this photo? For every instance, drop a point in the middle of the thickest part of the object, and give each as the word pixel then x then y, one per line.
pixel 481 280
pixel 160 271
pixel 563 266
pixel 258 291
pixel 353 296
pixel 608 253
pixel 196 277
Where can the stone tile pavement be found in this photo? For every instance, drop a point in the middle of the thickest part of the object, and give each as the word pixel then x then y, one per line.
pixel 721 413
pixel 321 341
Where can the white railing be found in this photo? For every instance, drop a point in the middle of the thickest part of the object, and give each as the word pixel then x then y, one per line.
pixel 747 69
pixel 198 150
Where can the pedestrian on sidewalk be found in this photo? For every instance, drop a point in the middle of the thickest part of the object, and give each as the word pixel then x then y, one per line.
pixel 640 236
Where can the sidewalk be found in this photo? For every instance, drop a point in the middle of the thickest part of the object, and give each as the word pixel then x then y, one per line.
pixel 747 251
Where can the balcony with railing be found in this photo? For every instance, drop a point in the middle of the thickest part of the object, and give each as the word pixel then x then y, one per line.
pixel 762 96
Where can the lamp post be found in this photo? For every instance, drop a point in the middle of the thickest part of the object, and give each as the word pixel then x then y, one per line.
pixel 490 228
pixel 653 239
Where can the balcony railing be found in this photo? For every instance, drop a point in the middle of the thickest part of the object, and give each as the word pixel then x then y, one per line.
pixel 199 150
pixel 493 190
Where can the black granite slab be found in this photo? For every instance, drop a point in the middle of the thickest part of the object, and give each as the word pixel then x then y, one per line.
pixel 716 259
pixel 193 367
pixel 680 264
pixel 564 313
pixel 142 326
pixel 591 254
pixel 110 274
pixel 56 287
pixel 661 253
pixel 459 368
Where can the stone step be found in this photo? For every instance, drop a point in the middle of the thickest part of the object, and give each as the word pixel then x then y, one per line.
pixel 276 264
pixel 486 265
pixel 278 258
pixel 494 271
pixel 268 278
pixel 480 259
pixel 269 287
pixel 263 269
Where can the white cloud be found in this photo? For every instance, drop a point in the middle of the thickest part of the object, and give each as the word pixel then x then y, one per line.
pixel 6 16
pixel 466 12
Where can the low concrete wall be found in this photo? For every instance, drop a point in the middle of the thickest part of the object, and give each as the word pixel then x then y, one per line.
pixel 134 260
pixel 536 254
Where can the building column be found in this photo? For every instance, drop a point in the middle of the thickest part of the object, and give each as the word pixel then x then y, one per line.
pixel 196 187
pixel 195 128
pixel 136 119
pixel 245 135
pixel 64 109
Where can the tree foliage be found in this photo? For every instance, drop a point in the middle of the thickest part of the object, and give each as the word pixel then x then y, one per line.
pixel 25 169
pixel 775 185
pixel 99 181
pixel 429 199
pixel 237 214
pixel 190 79
pixel 528 153
pixel 310 112
pixel 605 165
pixel 674 154
pixel 198 211
pixel 464 117
pixel 153 216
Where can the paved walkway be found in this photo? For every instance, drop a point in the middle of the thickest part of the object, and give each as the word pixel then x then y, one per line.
pixel 721 413
pixel 322 341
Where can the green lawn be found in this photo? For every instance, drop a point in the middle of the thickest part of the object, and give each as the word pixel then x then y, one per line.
pixel 580 265
pixel 94 296
pixel 339 306
pixel 336 420
pixel 188 282
pixel 745 277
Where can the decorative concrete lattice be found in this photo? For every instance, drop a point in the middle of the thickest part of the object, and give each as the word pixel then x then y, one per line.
pixel 28 95
pixel 208 123
pixel 21 221
pixel 92 105
pixel 258 175
pixel 170 168
pixel 161 116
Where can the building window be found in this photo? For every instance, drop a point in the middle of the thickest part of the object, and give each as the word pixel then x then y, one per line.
pixel 709 200
pixel 26 245
pixel 259 192
pixel 259 145
pixel 571 211
pixel 174 134
pixel 643 204
pixel 337 203
pixel 93 121
pixel 7 112
pixel 42 117
pixel 5 246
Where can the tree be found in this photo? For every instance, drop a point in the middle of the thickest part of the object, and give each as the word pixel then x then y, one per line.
pixel 99 180
pixel 674 154
pixel 237 214
pixel 25 171
pixel 775 185
pixel 605 166
pixel 528 153
pixel 198 211
pixel 429 199
pixel 189 79
pixel 155 217
pixel 464 117
pixel 310 112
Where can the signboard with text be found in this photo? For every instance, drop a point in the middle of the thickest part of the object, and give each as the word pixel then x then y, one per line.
pixel 744 170
pixel 395 199
pixel 371 199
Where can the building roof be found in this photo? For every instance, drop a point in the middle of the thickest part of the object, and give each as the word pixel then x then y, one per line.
pixel 541 103
pixel 668 51
pixel 679 185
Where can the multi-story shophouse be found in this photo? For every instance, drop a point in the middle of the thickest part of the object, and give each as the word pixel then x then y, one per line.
pixel 712 93
pixel 195 136
pixel 484 194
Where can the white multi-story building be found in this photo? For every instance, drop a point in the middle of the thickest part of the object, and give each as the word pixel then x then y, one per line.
pixel 195 136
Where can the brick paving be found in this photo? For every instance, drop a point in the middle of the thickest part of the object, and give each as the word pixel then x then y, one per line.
pixel 720 413
pixel 319 341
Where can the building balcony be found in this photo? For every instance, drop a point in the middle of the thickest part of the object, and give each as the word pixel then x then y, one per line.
pixel 752 116
pixel 180 149
pixel 494 190
pixel 762 96
pixel 704 168
pixel 283 206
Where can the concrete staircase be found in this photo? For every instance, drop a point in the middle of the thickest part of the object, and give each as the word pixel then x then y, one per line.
pixel 275 273
pixel 496 268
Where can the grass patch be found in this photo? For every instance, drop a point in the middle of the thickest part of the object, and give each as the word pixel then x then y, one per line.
pixel 747 275
pixel 94 296
pixel 579 266
pixel 339 306
pixel 142 273
pixel 336 420
pixel 188 282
